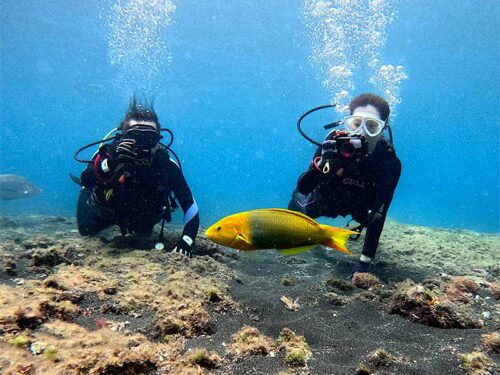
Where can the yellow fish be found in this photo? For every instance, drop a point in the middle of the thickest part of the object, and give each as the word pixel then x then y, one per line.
pixel 287 231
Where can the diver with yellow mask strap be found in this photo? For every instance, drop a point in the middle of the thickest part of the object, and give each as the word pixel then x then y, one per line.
pixel 353 172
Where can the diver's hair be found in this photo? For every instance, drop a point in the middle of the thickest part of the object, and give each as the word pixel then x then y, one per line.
pixel 371 99
pixel 140 112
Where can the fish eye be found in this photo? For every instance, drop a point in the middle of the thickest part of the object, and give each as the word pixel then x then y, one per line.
pixel 219 228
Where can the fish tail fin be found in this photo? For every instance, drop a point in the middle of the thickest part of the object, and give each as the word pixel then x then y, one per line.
pixel 336 238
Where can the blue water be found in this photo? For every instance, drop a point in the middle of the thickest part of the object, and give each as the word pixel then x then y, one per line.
pixel 239 78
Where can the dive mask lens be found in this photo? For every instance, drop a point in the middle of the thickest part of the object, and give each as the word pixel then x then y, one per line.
pixel 368 125
pixel 373 126
pixel 353 123
pixel 144 135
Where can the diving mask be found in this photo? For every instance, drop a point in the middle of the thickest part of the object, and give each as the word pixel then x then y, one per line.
pixel 363 125
pixel 144 135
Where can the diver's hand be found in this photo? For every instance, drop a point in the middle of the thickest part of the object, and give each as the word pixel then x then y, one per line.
pixel 184 246
pixel 126 151
pixel 330 162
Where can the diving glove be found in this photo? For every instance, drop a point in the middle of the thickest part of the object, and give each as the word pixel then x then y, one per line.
pixel 330 162
pixel 126 151
pixel 184 246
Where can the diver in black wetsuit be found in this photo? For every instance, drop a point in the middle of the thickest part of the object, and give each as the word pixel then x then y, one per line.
pixel 129 183
pixel 355 172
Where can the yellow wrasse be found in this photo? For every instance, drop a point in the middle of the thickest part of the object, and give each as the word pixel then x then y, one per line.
pixel 287 231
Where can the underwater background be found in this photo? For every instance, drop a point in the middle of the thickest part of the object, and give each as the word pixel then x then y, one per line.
pixel 230 80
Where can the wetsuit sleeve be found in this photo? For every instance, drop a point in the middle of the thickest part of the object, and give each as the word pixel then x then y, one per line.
pixel 183 194
pixel 310 179
pixel 388 180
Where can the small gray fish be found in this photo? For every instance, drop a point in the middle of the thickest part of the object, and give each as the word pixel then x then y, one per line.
pixel 15 187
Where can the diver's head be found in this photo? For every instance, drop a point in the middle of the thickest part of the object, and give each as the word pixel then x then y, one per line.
pixel 141 124
pixel 369 114
pixel 140 114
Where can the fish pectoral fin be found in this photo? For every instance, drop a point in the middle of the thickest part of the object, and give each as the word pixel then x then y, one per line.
pixel 296 250
pixel 242 237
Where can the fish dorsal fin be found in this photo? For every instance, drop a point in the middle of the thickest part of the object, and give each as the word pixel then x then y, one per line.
pixel 290 212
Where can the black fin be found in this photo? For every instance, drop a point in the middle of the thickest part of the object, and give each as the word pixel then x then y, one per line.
pixel 75 179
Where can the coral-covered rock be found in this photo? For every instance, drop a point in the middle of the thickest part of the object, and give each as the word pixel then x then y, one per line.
pixel 50 257
pixel 362 369
pixel 460 289
pixel 204 358
pixel 365 280
pixel 65 348
pixel 491 342
pixel 168 325
pixel 249 341
pixel 380 357
pixel 457 295
pixel 477 363
pixel 297 351
pixel 20 310
pixel 465 284
pixel 425 306
pixel 495 290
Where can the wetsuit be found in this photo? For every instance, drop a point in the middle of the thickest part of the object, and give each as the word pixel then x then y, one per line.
pixel 364 191
pixel 135 196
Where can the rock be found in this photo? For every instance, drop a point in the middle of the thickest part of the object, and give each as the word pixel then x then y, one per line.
pixel 336 300
pixel 48 257
pixel 9 266
pixel 289 281
pixel 365 280
pixel 338 284
pixel 40 242
pixel 491 342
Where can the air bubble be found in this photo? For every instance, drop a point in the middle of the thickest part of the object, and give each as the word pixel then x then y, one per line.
pixel 136 43
pixel 348 35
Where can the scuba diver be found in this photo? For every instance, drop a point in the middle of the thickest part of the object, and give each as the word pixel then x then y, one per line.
pixel 353 172
pixel 130 181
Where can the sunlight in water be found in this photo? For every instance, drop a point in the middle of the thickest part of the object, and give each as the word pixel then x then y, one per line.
pixel 347 36
pixel 137 38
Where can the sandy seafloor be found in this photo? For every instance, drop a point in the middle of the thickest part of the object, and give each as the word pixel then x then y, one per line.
pixel 110 305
